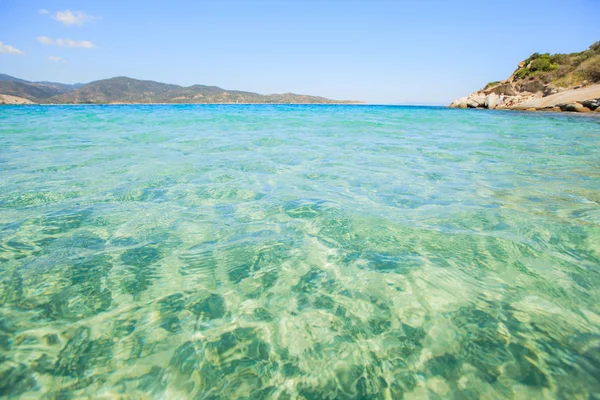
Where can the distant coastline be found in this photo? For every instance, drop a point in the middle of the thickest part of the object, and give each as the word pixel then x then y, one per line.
pixel 199 104
pixel 124 90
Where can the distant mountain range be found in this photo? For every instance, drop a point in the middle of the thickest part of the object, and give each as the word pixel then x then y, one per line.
pixel 128 90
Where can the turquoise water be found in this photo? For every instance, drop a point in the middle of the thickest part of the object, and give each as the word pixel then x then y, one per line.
pixel 298 252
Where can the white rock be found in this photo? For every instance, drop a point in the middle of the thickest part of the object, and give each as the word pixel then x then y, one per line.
pixel 479 99
pixel 491 101
pixel 459 103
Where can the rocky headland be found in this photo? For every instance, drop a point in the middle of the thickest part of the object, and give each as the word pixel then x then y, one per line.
pixel 545 82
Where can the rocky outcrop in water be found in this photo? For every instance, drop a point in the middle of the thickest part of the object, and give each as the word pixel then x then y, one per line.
pixel 585 99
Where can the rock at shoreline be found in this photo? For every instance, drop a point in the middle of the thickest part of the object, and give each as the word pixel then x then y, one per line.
pixel 591 104
pixel 491 101
pixel 475 101
pixel 572 100
pixel 573 107
pixel 459 103
pixel 472 104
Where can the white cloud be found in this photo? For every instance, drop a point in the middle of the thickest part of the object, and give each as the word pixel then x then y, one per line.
pixel 57 59
pixel 4 48
pixel 43 11
pixel 78 18
pixel 44 40
pixel 85 44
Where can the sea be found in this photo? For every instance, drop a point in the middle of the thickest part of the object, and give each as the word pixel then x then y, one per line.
pixel 298 252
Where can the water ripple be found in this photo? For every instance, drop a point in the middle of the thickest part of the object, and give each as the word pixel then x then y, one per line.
pixel 298 252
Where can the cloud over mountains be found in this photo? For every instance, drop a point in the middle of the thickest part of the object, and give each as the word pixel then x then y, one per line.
pixel 5 48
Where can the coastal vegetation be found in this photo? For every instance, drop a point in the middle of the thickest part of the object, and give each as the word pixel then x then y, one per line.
pixel 492 84
pixel 561 70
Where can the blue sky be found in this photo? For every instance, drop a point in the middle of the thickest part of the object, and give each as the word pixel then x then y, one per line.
pixel 402 51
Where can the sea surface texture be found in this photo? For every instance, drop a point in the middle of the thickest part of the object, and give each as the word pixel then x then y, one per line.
pixel 298 252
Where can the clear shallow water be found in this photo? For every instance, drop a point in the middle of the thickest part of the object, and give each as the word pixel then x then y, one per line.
pixel 298 252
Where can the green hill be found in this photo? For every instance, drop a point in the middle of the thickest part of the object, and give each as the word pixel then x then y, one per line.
pixel 34 91
pixel 558 70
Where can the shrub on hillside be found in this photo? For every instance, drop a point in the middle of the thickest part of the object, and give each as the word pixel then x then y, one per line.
pixel 563 69
pixel 590 69
pixel 584 56
pixel 521 73
pixel 533 57
pixel 543 64
pixel 561 59
pixel 492 84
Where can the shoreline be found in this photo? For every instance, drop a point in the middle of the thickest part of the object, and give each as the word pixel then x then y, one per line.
pixel 549 110
pixel 589 114
pixel 583 99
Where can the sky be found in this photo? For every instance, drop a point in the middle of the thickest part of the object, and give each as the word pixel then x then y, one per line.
pixel 378 51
